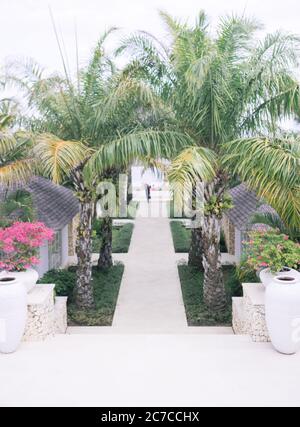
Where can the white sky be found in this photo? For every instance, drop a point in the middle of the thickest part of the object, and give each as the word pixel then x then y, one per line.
pixel 26 29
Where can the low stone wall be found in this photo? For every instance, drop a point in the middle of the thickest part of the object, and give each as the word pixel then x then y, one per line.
pixel 248 313
pixel 60 315
pixel 47 315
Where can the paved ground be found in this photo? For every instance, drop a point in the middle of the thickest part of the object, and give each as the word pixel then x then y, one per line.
pixel 150 357
pixel 149 370
pixel 150 297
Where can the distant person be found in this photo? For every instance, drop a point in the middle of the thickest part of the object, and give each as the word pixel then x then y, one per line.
pixel 148 192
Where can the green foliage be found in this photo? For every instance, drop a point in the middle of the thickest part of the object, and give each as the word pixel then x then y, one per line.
pixel 218 205
pixel 64 281
pixel 270 166
pixel 120 241
pixel 106 290
pixel 182 238
pixel 272 219
pixel 192 289
pixel 270 250
pixel 218 89
pixel 17 206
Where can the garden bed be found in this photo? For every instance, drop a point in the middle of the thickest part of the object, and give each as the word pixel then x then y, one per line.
pixel 192 290
pixel 182 238
pixel 106 292
pixel 120 241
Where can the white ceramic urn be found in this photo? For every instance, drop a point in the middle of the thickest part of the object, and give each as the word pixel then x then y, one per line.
pixel 266 276
pixel 29 278
pixel 283 313
pixel 13 313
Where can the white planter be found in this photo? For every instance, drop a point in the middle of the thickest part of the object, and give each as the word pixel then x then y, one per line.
pixel 267 277
pixel 13 313
pixel 283 313
pixel 29 278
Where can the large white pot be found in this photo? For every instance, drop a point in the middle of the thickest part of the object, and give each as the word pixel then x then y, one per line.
pixel 29 278
pixel 13 313
pixel 283 313
pixel 266 276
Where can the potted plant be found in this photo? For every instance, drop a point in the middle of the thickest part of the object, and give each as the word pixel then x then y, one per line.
pixel 13 313
pixel 19 248
pixel 283 313
pixel 271 254
pixel 277 259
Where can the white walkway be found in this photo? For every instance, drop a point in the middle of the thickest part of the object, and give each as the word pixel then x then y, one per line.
pixel 149 370
pixel 150 298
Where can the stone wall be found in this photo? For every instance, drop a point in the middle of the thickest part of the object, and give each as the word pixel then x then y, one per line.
pixel 46 316
pixel 248 313
pixel 229 233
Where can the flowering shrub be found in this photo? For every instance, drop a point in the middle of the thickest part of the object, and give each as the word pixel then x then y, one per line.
pixel 271 250
pixel 19 245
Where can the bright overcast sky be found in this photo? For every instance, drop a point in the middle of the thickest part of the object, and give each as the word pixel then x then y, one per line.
pixel 26 29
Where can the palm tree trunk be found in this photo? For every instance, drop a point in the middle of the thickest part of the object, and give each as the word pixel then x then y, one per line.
pixel 215 297
pixel 214 287
pixel 84 293
pixel 196 249
pixel 105 257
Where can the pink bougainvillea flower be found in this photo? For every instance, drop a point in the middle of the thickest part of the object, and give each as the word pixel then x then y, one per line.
pixel 20 242
pixel 264 264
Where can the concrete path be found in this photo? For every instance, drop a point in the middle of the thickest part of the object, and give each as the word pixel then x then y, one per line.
pixel 149 370
pixel 150 297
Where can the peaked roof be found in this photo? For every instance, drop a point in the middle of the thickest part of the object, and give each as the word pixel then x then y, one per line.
pixel 55 205
pixel 246 204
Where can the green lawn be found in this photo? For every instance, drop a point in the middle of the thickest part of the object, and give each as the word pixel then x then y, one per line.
pixel 121 239
pixel 106 291
pixel 192 291
pixel 182 238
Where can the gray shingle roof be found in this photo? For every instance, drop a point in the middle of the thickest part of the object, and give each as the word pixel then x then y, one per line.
pixel 55 205
pixel 246 204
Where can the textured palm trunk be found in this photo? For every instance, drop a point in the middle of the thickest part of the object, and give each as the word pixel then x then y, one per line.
pixel 84 291
pixel 196 249
pixel 215 297
pixel 214 288
pixel 105 257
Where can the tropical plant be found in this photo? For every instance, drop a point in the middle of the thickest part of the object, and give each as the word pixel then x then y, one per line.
pixel 99 124
pixel 19 245
pixel 217 89
pixel 273 221
pixel 16 206
pixel 270 250
pixel 16 165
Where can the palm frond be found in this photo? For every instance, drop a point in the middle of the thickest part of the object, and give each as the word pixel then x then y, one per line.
pixel 272 169
pixel 57 157
pixel 136 145
pixel 193 165
pixel 16 172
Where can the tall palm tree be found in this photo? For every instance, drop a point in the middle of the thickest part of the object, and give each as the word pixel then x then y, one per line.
pixel 99 125
pixel 15 165
pixel 217 89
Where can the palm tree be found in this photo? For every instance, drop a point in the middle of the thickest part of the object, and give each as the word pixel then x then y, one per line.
pixel 98 123
pixel 270 166
pixel 217 89
pixel 15 164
